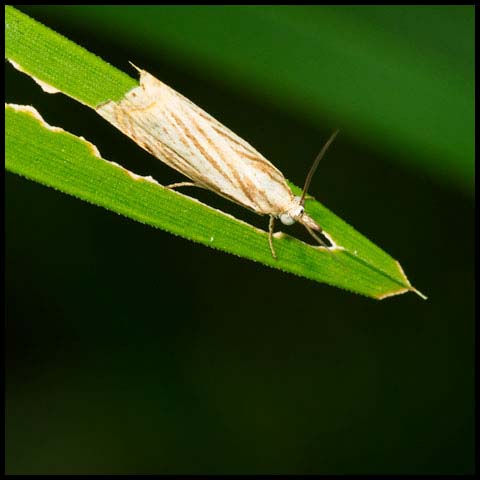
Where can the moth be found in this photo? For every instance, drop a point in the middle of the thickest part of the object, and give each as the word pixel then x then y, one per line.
pixel 188 139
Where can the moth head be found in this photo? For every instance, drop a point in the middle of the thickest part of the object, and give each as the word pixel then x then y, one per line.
pixel 297 214
pixel 294 214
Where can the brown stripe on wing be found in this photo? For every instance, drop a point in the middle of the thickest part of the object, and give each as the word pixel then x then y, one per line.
pixel 129 125
pixel 171 157
pixel 240 181
pixel 221 129
pixel 176 161
pixel 264 165
pixel 214 123
pixel 229 135
pixel 158 148
pixel 209 158
pixel 247 151
pixel 261 194
pixel 136 108
pixel 186 133
pixel 246 185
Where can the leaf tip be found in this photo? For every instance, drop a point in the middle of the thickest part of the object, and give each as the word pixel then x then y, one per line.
pixel 419 293
pixel 408 287
pixel 411 288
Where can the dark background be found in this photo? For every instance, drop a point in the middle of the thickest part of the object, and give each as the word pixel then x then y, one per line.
pixel 129 350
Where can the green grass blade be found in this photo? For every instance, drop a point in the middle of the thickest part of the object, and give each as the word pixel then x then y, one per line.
pixel 65 162
pixel 61 63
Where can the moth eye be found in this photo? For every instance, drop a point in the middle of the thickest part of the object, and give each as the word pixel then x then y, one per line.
pixel 299 211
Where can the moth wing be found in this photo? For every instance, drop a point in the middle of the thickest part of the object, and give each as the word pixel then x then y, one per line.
pixel 188 139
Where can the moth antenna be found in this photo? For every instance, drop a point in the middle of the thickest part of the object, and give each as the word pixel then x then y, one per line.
pixel 315 165
pixel 317 238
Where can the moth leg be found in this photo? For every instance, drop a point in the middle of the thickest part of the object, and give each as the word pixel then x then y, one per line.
pixel 271 223
pixel 182 184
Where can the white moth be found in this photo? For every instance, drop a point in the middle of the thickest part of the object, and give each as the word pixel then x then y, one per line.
pixel 191 141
